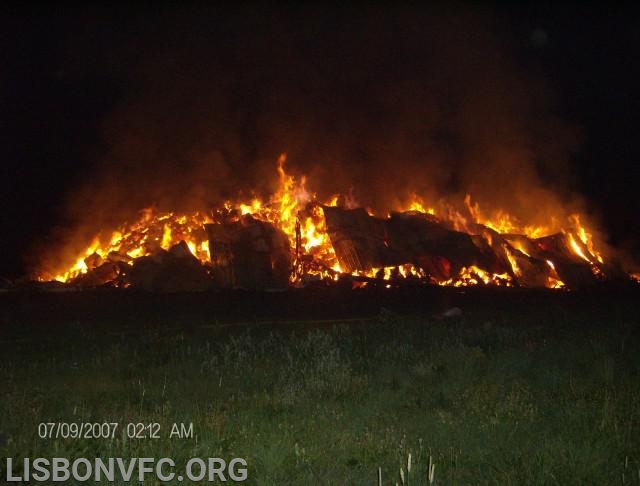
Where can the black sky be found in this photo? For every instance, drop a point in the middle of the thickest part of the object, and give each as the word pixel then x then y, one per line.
pixel 73 80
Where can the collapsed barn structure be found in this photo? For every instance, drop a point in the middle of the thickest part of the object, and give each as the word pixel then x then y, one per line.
pixel 443 255
pixel 405 248
pixel 292 239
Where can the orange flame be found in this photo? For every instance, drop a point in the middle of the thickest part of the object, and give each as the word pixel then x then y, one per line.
pixel 297 212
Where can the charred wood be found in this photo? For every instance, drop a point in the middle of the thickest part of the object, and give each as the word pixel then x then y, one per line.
pixel 249 253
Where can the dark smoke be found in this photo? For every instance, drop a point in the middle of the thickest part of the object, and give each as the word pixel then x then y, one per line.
pixel 385 103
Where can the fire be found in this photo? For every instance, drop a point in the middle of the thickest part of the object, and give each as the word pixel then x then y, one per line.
pixel 418 204
pixel 554 281
pixel 585 237
pixel 148 234
pixel 512 261
pixel 253 208
pixel 299 214
pixel 473 275
pixel 503 222
pixel 576 248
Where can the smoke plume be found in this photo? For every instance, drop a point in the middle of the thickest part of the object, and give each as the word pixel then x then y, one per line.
pixel 381 103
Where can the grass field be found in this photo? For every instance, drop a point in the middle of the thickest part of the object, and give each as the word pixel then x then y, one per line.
pixel 491 397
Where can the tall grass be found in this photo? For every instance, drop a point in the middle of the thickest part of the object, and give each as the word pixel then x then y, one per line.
pixel 472 400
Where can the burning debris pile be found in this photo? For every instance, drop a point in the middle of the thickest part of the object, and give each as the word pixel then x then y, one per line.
pixel 415 245
pixel 293 239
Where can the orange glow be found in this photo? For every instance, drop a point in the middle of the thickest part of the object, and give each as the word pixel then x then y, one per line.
pixel 576 248
pixel 554 282
pixel 418 204
pixel 148 234
pixel 512 261
pixel 254 207
pixel 585 237
pixel 298 213
pixel 520 247
pixel 473 275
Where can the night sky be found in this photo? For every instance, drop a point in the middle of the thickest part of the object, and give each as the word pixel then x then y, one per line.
pixel 75 84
